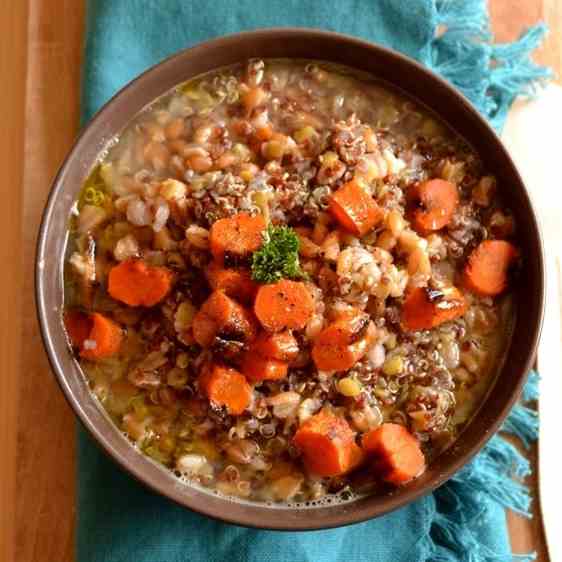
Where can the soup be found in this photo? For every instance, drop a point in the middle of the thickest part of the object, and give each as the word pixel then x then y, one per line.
pixel 285 282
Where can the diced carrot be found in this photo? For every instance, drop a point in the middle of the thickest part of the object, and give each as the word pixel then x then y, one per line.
pixel 78 326
pixel 258 368
pixel 432 204
pixel 234 239
pixel 397 453
pixel 205 329
pixel 424 307
pixel 236 283
pixel 227 387
pixel 221 316
pixel 284 305
pixel 281 345
pixel 104 339
pixel 341 344
pixel 408 463
pixel 327 443
pixel 486 272
pixel 137 284
pixel 354 208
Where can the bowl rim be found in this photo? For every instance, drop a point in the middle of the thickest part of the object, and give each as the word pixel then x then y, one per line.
pixel 130 466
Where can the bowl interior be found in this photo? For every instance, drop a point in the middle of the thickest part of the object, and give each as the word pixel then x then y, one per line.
pixel 401 73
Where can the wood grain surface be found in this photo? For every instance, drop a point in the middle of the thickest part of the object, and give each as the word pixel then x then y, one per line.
pixel 40 52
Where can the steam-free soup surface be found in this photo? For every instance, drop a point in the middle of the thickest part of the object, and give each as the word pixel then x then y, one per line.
pixel 286 281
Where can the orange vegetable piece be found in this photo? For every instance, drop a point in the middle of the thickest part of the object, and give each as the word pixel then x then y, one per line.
pixel 222 316
pixel 354 208
pixel 281 346
pixel 432 204
pixel 258 368
pixel 107 336
pixel 327 443
pixel 78 326
pixel 234 239
pixel 264 133
pixel 227 387
pixel 487 268
pixel 284 305
pixel 424 307
pixel 340 345
pixel 397 452
pixel 137 284
pixel 236 283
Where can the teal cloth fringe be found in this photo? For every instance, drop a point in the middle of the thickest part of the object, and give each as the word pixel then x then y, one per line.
pixel 459 522
pixel 490 75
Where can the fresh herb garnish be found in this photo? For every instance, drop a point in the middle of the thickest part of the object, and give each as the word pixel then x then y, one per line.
pixel 278 257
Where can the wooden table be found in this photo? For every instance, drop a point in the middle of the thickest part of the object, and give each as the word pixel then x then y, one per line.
pixel 40 55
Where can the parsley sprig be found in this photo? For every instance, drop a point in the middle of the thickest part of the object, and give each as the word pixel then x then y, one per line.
pixel 278 257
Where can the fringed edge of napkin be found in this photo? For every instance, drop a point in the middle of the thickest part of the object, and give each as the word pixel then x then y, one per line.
pixel 496 473
pixel 490 75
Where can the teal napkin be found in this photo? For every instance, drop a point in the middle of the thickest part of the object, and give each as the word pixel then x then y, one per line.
pixel 119 520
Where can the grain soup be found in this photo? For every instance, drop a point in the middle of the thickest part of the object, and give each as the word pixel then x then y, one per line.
pixel 287 282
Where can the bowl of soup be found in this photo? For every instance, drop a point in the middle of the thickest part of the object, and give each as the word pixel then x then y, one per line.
pixel 290 279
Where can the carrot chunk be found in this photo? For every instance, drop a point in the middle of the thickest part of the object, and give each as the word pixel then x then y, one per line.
pixel 432 204
pixel 281 346
pixel 486 272
pixel 327 443
pixel 137 284
pixel 226 387
pixel 284 305
pixel 234 239
pixel 424 307
pixel 397 453
pixel 236 283
pixel 258 368
pixel 220 316
pixel 104 339
pixel 78 326
pixel 340 345
pixel 354 208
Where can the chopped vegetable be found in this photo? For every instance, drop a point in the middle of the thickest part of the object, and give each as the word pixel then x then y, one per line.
pixel 94 189
pixel 354 208
pixel 397 453
pixel 234 239
pixel 349 387
pixel 432 204
pixel 78 326
pixel 236 283
pixel 340 345
pixel 393 366
pixel 258 368
pixel 226 387
pixel 425 307
pixel 278 257
pixel 327 443
pixel 137 284
pixel 281 346
pixel 284 305
pixel 220 316
pixel 486 272
pixel 104 339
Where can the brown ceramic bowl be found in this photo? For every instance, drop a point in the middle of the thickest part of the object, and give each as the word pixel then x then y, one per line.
pixel 398 71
